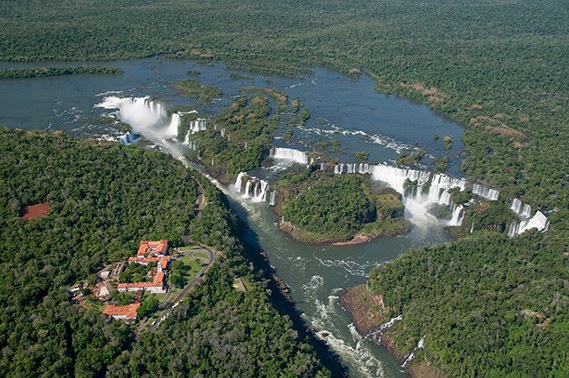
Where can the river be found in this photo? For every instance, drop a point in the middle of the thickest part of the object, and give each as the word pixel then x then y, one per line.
pixel 348 110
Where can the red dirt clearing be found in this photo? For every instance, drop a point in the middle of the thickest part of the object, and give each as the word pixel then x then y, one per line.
pixel 36 211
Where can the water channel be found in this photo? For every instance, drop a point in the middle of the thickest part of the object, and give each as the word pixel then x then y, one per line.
pixel 344 109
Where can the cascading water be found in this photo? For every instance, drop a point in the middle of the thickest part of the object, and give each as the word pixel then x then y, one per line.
pixel 351 168
pixel 289 154
pixel 419 201
pixel 539 221
pixel 128 138
pixel 197 125
pixel 145 116
pixel 485 192
pixel 252 187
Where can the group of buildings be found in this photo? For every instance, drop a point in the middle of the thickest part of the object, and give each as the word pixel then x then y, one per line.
pixel 149 252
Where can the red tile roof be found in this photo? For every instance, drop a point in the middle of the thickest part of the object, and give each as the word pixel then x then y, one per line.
pixel 157 247
pixel 129 311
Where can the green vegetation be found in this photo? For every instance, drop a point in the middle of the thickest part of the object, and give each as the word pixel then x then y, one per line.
pixel 136 273
pixel 148 306
pixel 328 208
pixel 247 135
pixel 183 270
pixel 412 157
pixel 239 76
pixel 203 93
pixel 104 199
pixel 488 306
pixel 22 73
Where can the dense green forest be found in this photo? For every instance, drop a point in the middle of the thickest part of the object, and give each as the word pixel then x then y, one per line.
pixel 488 306
pixel 104 199
pixel 323 207
pixel 22 73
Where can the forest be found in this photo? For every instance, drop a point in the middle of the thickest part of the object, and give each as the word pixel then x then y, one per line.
pixel 25 73
pixel 488 306
pixel 105 198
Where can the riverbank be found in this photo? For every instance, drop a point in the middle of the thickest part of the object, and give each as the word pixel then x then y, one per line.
pixel 303 236
pixel 369 314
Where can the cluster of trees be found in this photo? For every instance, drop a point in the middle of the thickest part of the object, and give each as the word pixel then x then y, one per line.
pixel 203 93
pixel 488 306
pixel 22 73
pixel 104 199
pixel 329 208
pixel 247 128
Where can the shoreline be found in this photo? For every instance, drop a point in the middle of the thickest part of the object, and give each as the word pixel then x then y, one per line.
pixel 359 238
pixel 368 313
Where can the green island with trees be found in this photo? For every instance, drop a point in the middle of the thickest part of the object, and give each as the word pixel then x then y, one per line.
pixel 486 305
pixel 320 207
pixel 193 88
pixel 103 198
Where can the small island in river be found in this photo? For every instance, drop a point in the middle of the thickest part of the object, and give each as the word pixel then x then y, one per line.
pixel 321 207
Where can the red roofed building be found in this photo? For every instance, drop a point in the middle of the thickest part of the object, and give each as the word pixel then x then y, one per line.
pixel 162 262
pixel 152 248
pixel 156 286
pixel 127 313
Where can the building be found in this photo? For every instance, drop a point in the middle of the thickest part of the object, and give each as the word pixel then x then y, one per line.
pixel 156 286
pixel 127 313
pixel 152 248
pixel 162 262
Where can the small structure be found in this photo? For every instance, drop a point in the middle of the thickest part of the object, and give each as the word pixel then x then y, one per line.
pixel 127 313
pixel 102 290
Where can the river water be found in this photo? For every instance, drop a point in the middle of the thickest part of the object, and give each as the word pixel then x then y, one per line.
pixel 343 109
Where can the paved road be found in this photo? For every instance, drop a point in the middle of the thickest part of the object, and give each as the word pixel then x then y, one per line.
pixel 189 287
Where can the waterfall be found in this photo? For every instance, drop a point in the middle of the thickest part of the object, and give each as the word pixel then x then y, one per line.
pixel 539 221
pixel 350 168
pixel 197 125
pixel 485 192
pixel 289 154
pixel 252 187
pixel 516 206
pixel 128 138
pixel 375 336
pixel 272 198
pixel 427 191
pixel 145 116
pixel 526 212
pixel 457 216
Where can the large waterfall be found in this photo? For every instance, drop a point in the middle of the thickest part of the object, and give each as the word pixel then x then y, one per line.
pixel 428 190
pixel 539 221
pixel 485 192
pixel 289 154
pixel 256 189
pixel 144 116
